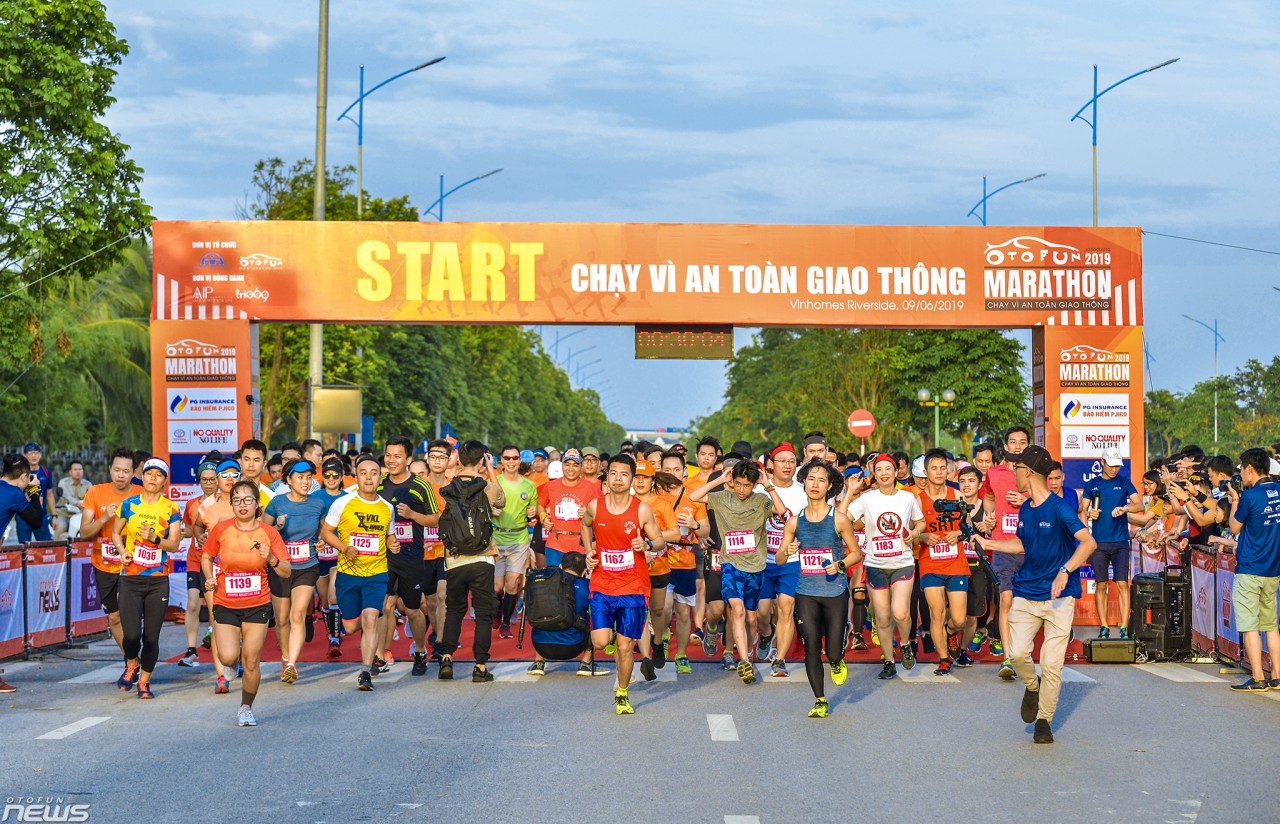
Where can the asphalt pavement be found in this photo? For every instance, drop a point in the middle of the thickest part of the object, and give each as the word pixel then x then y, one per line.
pixel 1144 743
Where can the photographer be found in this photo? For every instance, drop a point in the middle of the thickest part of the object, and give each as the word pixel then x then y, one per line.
pixel 1107 501
pixel 1255 518
pixel 944 571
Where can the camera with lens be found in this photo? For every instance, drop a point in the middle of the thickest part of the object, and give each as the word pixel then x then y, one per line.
pixel 1235 483
pixel 950 511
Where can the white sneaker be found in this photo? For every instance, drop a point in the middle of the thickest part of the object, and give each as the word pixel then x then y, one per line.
pixel 244 717
pixel 189 660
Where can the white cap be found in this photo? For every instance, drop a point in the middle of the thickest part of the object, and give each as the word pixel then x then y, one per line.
pixel 917 467
pixel 155 463
pixel 555 469
pixel 1112 457
pixel 1274 468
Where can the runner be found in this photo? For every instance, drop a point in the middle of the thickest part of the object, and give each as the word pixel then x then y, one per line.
pixel 653 644
pixel 614 531
pixel 101 505
pixel 296 516
pixel 212 511
pixel 433 582
pixel 944 570
pixel 327 556
pixel 1105 504
pixel 560 505
pixel 823 540
pixel 148 529
pixel 207 474
pixel 1000 492
pixel 591 463
pixel 815 446
pixel 358 525
pixel 981 585
pixel 253 461
pixel 892 520
pixel 511 530
pixel 741 513
pixel 685 554
pixel 471 499
pixel 238 556
pixel 780 579
pixel 416 507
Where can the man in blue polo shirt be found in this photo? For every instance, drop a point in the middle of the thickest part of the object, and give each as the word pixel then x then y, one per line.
pixel 1054 544
pixel 567 644
pixel 1255 517
pixel 1107 501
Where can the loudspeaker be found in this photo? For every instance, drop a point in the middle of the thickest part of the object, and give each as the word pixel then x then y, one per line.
pixel 1159 619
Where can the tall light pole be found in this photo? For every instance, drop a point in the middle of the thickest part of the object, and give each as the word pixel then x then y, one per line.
pixel 986 196
pixel 1217 338
pixel 315 355
pixel 927 398
pixel 1093 124
pixel 358 105
pixel 438 205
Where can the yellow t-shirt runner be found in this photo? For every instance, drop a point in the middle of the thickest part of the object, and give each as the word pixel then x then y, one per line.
pixel 363 525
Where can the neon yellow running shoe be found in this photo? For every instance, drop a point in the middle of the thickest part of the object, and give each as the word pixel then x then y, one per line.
pixel 839 672
pixel 622 704
pixel 819 709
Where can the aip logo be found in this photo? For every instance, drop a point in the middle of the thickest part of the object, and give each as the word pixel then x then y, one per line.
pixel 178 403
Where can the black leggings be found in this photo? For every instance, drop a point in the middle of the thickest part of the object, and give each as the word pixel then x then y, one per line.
pixel 816 618
pixel 143 601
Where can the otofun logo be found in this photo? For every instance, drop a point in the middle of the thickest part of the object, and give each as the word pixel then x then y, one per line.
pixel 191 348
pixel 1092 354
pixel 1031 250
pixel 261 261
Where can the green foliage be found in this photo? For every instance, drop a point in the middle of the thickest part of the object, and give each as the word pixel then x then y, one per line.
pixel 1248 405
pixel 790 381
pixel 490 382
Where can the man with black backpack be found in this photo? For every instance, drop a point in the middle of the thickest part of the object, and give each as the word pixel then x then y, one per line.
pixel 556 608
pixel 470 501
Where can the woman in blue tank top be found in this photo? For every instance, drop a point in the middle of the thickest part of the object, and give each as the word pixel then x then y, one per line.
pixel 825 541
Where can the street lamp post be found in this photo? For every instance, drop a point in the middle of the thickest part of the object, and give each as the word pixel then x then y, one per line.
pixel 358 105
pixel 315 343
pixel 1093 124
pixel 438 205
pixel 1217 338
pixel 986 196
pixel 927 398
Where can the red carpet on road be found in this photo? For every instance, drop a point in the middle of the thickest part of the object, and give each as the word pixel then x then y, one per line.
pixel 504 649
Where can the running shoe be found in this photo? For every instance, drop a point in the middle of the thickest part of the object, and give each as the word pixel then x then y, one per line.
pixel 388 658
pixel 381 665
pixel 964 660
pixel 848 634
pixel 726 661
pixel 309 626
pixel 364 681
pixel 445 672
pixel 504 630
pixel 1251 686
pixel 1006 670
pixel 709 642
pixel 953 644
pixel 875 638
pixel 221 687
pixel 335 647
pixel 908 655
pixel 697 635
pixel 660 653
pixel 819 709
pixel 767 648
pixel 190 659
pixel 778 669
pixel 288 674
pixel 1124 633
pixel 538 668
pixel 481 676
pixel 239 670
pixel 682 666
pixel 419 664
pixel 610 648
pixel 997 647
pixel 1043 733
pixel 128 678
pixel 144 690
pixel 839 672
pixel 979 638
pixel 1030 704
pixel 1274 683
pixel 888 671
pixel 944 667
pixel 244 717
pixel 646 669
pixel 622 704
pixel 589 670
pixel 746 672
pixel 6 687
pixel 1104 632
pixel 207 640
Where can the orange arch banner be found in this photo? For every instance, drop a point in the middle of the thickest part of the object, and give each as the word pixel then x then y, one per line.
pixel 617 273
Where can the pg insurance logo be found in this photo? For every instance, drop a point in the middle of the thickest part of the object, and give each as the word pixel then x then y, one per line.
pixel 202 404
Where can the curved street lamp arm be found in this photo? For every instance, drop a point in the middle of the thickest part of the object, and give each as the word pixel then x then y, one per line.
pixel 385 82
pixel 1117 83
pixel 440 200
pixel 1001 189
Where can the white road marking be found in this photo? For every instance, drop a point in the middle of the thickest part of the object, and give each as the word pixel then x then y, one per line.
pixel 72 729
pixel 517 672
pixel 1178 673
pixel 742 819
pixel 21 666
pixel 722 728
pixel 101 675
pixel 667 673
pixel 1069 674
pixel 922 673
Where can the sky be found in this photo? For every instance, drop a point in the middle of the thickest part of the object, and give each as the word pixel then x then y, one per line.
pixel 714 112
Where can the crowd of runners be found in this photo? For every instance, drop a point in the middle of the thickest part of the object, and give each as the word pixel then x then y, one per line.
pixel 733 551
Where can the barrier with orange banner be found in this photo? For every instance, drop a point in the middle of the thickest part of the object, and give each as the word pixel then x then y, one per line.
pixel 13 625
pixel 86 615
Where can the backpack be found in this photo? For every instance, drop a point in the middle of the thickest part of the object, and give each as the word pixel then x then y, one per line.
pixel 549 600
pixel 466 525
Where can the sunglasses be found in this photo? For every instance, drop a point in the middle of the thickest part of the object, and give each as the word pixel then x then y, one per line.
pixel 229 474
pixel 332 475
pixel 510 457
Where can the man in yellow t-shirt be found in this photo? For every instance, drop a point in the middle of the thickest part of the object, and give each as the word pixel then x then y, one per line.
pixel 358 525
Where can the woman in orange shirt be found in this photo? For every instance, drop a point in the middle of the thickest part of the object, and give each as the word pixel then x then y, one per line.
pixel 236 556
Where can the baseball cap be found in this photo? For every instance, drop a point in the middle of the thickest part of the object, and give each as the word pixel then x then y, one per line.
pixel 1273 468
pixel 590 452
pixel 548 449
pixel 645 468
pixel 1112 457
pixel 331 465
pixel 555 469
pixel 153 463
pixel 572 454
pixel 526 456
pixel 297 467
pixel 741 447
pixel 1035 458
pixel 917 467
pixel 538 453
pixel 785 446
pixel 32 446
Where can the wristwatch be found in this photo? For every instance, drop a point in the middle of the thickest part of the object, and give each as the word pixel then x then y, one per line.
pixel 1064 569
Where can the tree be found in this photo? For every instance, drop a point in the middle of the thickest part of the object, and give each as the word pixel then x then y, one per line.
pixel 69 193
